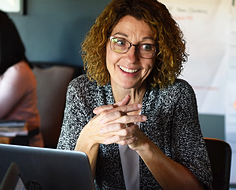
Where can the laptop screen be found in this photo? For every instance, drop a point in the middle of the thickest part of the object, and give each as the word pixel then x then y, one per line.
pixel 48 169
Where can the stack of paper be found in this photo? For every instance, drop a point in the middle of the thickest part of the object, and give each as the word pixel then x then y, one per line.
pixel 13 128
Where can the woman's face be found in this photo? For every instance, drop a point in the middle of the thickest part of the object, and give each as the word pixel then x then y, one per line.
pixel 129 70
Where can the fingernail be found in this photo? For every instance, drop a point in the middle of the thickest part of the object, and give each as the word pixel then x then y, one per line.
pixel 95 110
pixel 144 118
pixel 139 105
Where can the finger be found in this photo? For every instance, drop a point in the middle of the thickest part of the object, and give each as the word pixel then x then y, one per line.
pixel 120 135
pixel 120 140
pixel 116 118
pixel 123 102
pixel 106 117
pixel 112 128
pixel 112 114
pixel 100 109
pixel 127 132
pixel 126 108
pixel 119 129
pixel 115 139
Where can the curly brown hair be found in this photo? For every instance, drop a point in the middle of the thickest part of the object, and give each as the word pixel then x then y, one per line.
pixel 168 37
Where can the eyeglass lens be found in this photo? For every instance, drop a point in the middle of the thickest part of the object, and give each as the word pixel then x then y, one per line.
pixel 120 45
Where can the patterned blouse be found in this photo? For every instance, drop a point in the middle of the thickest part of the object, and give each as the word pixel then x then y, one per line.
pixel 172 124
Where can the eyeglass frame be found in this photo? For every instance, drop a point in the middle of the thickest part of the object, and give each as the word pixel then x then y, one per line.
pixel 135 45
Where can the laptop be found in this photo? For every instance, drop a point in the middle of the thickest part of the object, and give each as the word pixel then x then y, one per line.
pixel 47 169
pixel 12 179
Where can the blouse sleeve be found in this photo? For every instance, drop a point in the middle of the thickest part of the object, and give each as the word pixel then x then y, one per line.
pixel 77 114
pixel 190 149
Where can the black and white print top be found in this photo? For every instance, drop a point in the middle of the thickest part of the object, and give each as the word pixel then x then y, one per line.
pixel 172 124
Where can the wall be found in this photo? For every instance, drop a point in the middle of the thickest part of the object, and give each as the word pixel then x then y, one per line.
pixel 52 31
pixel 212 126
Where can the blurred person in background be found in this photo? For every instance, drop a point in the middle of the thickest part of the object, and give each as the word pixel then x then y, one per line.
pixel 18 97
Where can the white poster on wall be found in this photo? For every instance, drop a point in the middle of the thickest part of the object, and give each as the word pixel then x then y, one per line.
pixel 230 95
pixel 205 25
pixel 209 28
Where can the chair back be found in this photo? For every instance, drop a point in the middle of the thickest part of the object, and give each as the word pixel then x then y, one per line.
pixel 219 153
pixel 52 82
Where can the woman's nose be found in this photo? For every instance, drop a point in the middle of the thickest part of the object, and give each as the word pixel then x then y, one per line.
pixel 132 54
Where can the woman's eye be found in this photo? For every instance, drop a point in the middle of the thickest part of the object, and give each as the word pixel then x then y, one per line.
pixel 146 47
pixel 119 42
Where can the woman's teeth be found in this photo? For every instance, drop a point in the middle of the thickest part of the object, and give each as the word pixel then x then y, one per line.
pixel 128 70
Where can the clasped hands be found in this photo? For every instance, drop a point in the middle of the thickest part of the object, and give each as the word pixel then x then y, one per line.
pixel 110 124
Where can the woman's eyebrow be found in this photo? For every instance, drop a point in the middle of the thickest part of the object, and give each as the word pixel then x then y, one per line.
pixel 148 38
pixel 125 35
pixel 122 34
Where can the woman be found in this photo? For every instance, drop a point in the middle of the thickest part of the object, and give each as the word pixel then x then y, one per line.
pixel 18 98
pixel 130 114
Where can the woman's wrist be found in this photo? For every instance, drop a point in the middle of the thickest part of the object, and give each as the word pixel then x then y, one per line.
pixel 145 146
pixel 90 148
pixel 141 144
pixel 84 143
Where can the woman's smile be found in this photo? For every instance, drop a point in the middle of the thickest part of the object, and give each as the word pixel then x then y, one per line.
pixel 128 70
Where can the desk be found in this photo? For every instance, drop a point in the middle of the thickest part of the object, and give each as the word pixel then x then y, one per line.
pixel 5 140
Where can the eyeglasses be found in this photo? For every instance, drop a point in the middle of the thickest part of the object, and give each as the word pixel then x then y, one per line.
pixel 121 45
